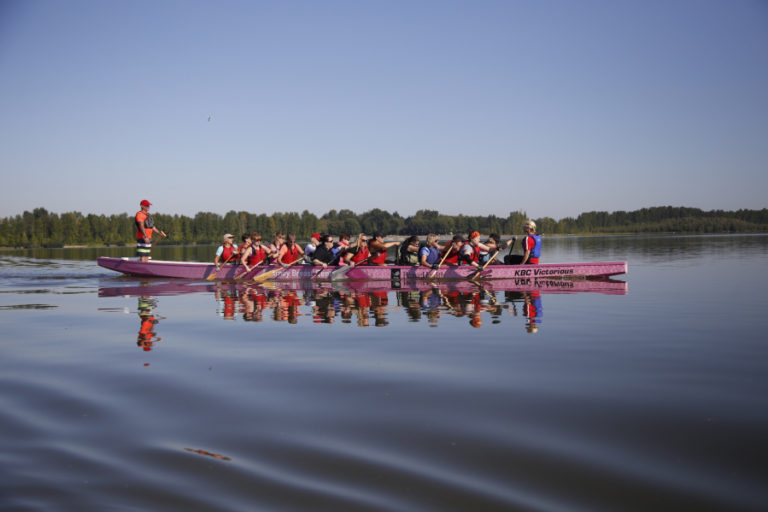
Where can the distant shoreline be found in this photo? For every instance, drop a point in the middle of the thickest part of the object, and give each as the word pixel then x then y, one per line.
pixel 400 238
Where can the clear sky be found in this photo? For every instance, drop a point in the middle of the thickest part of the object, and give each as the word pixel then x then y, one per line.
pixel 475 107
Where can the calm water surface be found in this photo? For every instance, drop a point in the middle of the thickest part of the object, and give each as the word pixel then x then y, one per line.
pixel 646 393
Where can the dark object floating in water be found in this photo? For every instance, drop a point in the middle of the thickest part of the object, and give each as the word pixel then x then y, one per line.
pixel 28 306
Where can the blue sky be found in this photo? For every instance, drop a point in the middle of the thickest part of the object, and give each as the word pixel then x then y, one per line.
pixel 475 107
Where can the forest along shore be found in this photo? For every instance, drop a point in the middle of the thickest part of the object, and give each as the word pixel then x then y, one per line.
pixel 41 228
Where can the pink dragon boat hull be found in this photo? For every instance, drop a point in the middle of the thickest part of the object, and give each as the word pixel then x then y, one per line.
pixel 392 273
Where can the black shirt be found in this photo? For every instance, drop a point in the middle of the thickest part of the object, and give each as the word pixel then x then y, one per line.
pixel 323 254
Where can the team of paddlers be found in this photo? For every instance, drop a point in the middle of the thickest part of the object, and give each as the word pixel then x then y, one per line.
pixel 323 250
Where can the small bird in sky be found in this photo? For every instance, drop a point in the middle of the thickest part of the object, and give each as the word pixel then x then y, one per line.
pixel 209 118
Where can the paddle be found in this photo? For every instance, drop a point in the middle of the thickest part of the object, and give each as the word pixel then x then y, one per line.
pixel 339 273
pixel 248 271
pixel 491 297
pixel 432 274
pixel 480 269
pixel 270 273
pixel 213 275
pixel 444 299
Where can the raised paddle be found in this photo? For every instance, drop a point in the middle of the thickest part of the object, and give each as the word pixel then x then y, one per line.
pixel 266 275
pixel 480 269
pixel 432 274
pixel 215 272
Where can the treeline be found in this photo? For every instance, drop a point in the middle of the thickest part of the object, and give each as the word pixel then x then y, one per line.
pixel 40 228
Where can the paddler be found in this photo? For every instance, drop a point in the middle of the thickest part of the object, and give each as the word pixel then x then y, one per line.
pixel 290 251
pixel 451 251
pixel 309 250
pixel 358 252
pixel 254 254
pixel 378 248
pixel 531 244
pixel 470 251
pixel 324 254
pixel 341 248
pixel 226 252
pixel 145 226
pixel 273 249
pixel 429 255
pixel 494 244
pixel 244 247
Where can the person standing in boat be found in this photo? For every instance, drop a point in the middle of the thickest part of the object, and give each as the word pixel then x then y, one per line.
pixel 378 248
pixel 429 255
pixel 227 252
pixel 145 226
pixel 531 244
pixel 289 251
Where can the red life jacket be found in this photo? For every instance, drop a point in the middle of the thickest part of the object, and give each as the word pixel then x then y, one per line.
pixel 473 256
pixel 260 301
pixel 227 253
pixel 257 255
pixel 360 255
pixel 291 254
pixel 452 259
pixel 379 259
pixel 230 306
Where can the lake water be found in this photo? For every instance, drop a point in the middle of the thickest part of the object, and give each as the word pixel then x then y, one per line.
pixel 644 393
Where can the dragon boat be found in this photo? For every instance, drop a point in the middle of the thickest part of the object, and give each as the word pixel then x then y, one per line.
pixel 391 273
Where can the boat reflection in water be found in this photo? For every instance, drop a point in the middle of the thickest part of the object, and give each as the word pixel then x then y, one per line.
pixel 361 303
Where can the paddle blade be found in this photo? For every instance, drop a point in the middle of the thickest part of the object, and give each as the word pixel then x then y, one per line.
pixel 339 274
pixel 212 276
pixel 264 276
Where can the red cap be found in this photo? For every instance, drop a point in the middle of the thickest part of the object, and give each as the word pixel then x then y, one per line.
pixel 316 236
pixel 144 202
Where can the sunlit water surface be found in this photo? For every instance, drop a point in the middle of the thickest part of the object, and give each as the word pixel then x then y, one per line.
pixel 650 394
